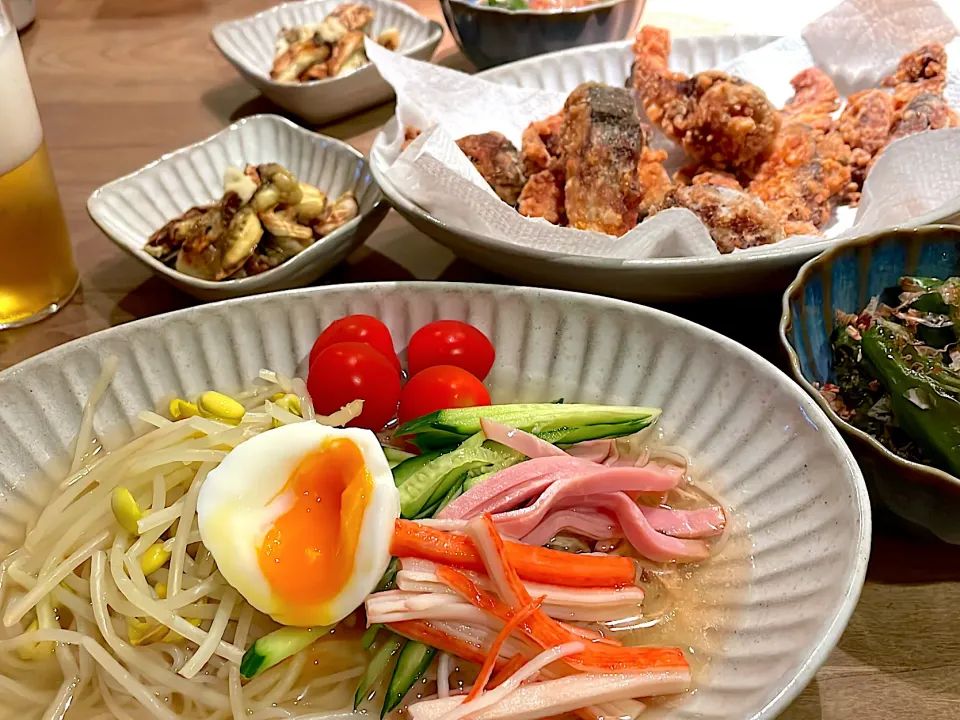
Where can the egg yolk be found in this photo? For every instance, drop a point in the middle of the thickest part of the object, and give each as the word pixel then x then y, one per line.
pixel 307 556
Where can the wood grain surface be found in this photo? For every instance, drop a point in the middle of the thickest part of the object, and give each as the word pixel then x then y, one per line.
pixel 120 82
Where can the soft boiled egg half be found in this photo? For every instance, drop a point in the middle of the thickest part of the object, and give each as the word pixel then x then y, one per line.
pixel 299 520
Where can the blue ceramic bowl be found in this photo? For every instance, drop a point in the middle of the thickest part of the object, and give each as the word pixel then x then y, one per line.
pixel 845 278
pixel 491 36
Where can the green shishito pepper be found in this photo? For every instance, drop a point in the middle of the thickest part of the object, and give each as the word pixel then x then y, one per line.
pixel 923 393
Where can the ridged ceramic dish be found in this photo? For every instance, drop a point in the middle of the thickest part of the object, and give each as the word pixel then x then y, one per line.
pixel 845 278
pixel 491 35
pixel 687 278
pixel 248 44
pixel 130 209
pixel 781 596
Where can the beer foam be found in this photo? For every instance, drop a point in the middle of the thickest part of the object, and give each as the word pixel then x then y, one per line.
pixel 20 129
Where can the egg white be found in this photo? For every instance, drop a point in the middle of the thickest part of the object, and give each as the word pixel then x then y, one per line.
pixel 243 496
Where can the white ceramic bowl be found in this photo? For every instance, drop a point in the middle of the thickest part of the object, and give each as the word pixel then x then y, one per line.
pixel 248 44
pixel 130 209
pixel 765 444
pixel 659 279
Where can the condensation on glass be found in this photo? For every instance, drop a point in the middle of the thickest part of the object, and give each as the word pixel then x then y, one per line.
pixel 37 272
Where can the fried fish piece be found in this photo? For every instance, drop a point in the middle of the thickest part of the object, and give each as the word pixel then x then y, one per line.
pixel 734 218
pixel 497 160
pixel 602 143
pixel 542 197
pixel 717 118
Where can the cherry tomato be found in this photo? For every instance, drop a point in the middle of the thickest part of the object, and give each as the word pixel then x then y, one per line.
pixel 349 371
pixel 450 342
pixel 440 387
pixel 357 328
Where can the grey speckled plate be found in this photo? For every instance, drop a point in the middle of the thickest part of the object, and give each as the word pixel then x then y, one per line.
pixel 777 599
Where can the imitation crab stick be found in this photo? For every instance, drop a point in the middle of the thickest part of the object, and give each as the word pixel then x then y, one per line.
pixel 538 627
pixel 508 627
pixel 536 564
pixel 425 632
pixel 511 666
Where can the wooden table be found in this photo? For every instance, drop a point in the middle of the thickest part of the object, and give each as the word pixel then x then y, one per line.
pixel 121 81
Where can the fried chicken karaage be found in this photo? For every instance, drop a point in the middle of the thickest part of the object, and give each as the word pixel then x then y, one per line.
pixel 734 219
pixel 872 119
pixel 497 160
pixel 923 71
pixel 701 175
pixel 717 118
pixel 865 126
pixel 602 144
pixel 814 98
pixel 652 178
pixel 541 144
pixel 924 112
pixel 809 167
pixel 918 87
pixel 542 197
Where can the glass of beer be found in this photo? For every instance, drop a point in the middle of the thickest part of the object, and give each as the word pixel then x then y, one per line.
pixel 37 272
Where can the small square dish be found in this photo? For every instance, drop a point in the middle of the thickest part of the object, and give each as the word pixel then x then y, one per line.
pixel 249 45
pixel 130 209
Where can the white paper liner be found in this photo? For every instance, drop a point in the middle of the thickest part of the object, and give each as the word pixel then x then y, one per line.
pixel 857 44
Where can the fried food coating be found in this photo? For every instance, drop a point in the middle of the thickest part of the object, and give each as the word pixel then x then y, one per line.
pixel 702 175
pixel 497 160
pixel 872 119
pixel 922 71
pixel 653 179
pixel 733 218
pixel 542 197
pixel 865 126
pixel 602 143
pixel 804 176
pixel 717 118
pixel 809 169
pixel 541 145
pixel 814 98
pixel 924 112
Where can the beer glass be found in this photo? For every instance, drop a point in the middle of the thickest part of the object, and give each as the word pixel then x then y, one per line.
pixel 37 272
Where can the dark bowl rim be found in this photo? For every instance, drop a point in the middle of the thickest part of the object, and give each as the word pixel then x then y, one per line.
pixel 586 9
pixel 793 290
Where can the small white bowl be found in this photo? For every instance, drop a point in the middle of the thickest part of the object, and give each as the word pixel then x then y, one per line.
pixel 249 46
pixel 130 209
